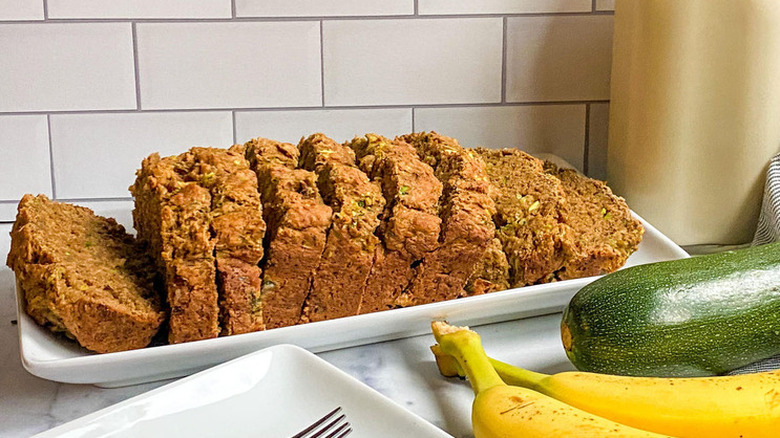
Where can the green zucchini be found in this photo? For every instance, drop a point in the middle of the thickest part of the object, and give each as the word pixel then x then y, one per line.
pixel 698 316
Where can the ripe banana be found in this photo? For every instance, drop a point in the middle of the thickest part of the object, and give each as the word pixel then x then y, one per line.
pixel 713 407
pixel 503 411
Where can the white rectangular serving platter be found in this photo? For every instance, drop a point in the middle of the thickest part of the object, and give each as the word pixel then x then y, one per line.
pixel 272 393
pixel 54 358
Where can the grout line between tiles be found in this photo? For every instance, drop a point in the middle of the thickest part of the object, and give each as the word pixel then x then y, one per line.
pixel 322 65
pixel 593 6
pixel 414 114
pixel 45 10
pixel 233 117
pixel 309 108
pixel 503 59
pixel 122 199
pixel 586 146
pixel 242 19
pixel 119 199
pixel 51 158
pixel 416 7
pixel 233 9
pixel 136 70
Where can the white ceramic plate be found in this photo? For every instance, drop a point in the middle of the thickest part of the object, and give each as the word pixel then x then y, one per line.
pixel 50 357
pixel 272 393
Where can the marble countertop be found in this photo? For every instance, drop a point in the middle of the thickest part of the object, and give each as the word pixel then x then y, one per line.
pixel 403 370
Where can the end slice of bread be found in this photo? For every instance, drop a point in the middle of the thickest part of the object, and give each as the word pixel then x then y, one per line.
pixel 607 233
pixel 528 218
pixel 84 276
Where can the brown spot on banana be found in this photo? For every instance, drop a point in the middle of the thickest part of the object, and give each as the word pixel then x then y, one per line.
pixel 520 404
pixel 772 398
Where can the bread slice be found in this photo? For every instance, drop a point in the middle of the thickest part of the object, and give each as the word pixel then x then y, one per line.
pixel 466 213
pixel 297 223
pixel 84 276
pixel 172 216
pixel 410 223
pixel 340 279
pixel 528 218
pixel 491 274
pixel 607 233
pixel 237 226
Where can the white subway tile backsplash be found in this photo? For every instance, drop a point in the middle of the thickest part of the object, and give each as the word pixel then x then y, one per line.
pixel 21 10
pixel 558 58
pixel 74 66
pixel 340 125
pixel 598 133
pixel 605 5
pixel 9 305
pixel 7 213
pixel 139 9
pixel 554 129
pixel 502 6
pixel 229 65
pixel 322 8
pixel 25 165
pixel 96 155
pixel 405 61
pixel 498 73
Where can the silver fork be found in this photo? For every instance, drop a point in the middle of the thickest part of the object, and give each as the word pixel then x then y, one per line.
pixel 334 423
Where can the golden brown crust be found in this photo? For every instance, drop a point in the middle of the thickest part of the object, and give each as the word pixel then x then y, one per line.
pixel 410 223
pixel 340 279
pixel 297 221
pixel 238 229
pixel 266 153
pixel 172 216
pixel 318 151
pixel 466 213
pixel 82 275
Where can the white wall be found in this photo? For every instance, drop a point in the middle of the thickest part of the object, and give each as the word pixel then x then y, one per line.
pixel 88 88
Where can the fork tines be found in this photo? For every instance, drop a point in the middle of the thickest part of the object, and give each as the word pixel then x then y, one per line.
pixel 334 424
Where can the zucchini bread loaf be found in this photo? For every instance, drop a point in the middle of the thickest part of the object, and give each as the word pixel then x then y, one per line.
pixel 269 234
pixel 84 276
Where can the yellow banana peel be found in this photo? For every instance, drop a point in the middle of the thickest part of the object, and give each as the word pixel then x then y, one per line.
pixel 503 411
pixel 745 405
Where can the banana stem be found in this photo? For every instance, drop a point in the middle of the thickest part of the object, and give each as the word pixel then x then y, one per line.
pixel 510 374
pixel 516 376
pixel 466 347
